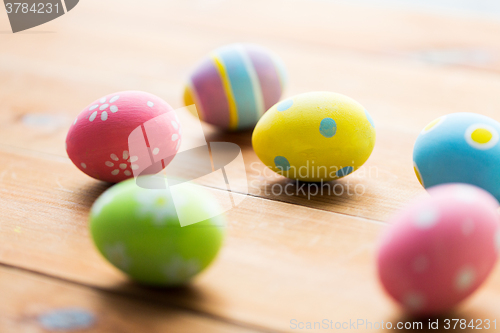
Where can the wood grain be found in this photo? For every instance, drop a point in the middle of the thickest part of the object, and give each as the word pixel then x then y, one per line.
pixel 36 303
pixel 287 256
pixel 402 94
pixel 281 262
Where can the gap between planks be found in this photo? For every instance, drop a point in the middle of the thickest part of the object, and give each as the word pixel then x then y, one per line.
pixel 66 160
pixel 136 298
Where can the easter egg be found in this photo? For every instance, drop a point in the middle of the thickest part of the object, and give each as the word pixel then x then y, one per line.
pixel 440 248
pixel 235 85
pixel 138 231
pixel 459 147
pixel 98 140
pixel 316 136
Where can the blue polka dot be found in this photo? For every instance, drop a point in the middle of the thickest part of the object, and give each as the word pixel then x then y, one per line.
pixel 328 127
pixel 67 320
pixel 282 163
pixel 370 119
pixel 285 105
pixel 345 171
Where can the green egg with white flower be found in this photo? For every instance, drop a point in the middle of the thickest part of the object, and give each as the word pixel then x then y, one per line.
pixel 139 231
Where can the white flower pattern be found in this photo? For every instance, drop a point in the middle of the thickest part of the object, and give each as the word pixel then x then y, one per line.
pixel 179 270
pixel 117 255
pixel 103 107
pixel 117 166
pixel 159 205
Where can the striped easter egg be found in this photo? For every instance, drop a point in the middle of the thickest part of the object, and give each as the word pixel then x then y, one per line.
pixel 235 85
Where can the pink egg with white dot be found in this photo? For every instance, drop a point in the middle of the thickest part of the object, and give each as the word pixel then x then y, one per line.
pixel 98 140
pixel 440 249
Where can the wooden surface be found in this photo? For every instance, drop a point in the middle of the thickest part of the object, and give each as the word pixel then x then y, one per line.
pixel 286 257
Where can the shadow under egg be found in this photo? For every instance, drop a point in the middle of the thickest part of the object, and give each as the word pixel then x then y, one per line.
pixel 241 138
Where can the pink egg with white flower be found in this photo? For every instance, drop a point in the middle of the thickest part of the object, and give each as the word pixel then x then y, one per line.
pixel 440 248
pixel 98 140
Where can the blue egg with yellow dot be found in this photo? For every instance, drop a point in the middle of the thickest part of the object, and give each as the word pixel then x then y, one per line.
pixel 459 148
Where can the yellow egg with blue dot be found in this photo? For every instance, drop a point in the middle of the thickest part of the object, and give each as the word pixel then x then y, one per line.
pixel 314 137
pixel 459 148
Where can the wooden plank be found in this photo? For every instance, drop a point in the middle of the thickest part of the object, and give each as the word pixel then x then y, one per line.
pixel 373 28
pixel 391 183
pixel 384 184
pixel 280 262
pixel 37 303
pixel 315 62
pixel 407 98
pixel 387 180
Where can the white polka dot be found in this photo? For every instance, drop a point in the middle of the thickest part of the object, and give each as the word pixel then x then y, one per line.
pixel 465 278
pixel 426 218
pixel 75 121
pixel 134 167
pixel 114 157
pixel 84 165
pixel 127 173
pixel 114 99
pixel 125 154
pixel 156 151
pixel 102 100
pixel 104 107
pixel 110 164
pixel 133 159
pixel 497 240
pixel 123 166
pixel 178 145
pixel 465 193
pixel 467 226
pixel 414 301
pixel 104 116
pixel 175 137
pixel 151 104
pixel 115 172
pixel 92 116
pixel 93 107
pixel 113 108
pixel 176 126
pixel 420 264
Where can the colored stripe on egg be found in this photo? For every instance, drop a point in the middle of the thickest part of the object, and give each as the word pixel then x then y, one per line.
pixel 257 90
pixel 268 74
pixel 233 110
pixel 191 97
pixel 235 85
pixel 241 86
pixel 210 94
